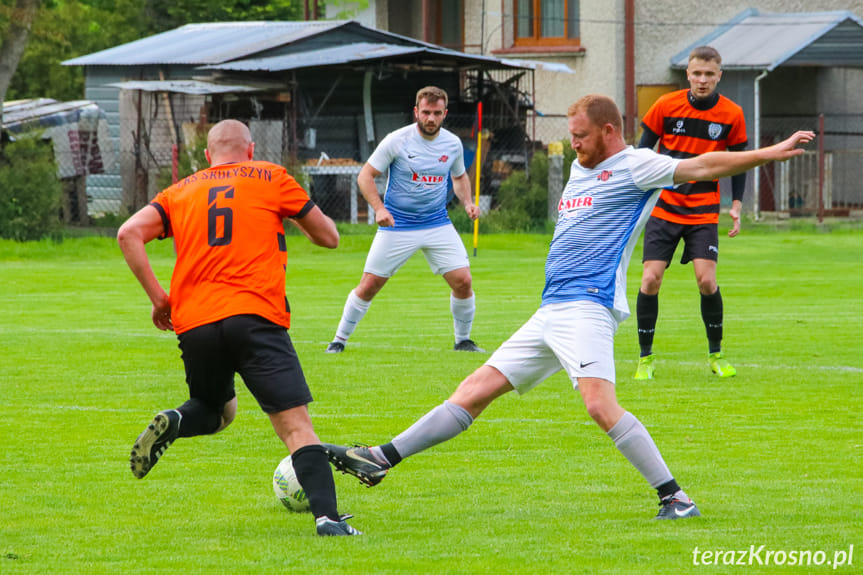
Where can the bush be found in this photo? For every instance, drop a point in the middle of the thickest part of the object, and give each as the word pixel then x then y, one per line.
pixel 522 203
pixel 568 157
pixel 30 191
pixel 525 196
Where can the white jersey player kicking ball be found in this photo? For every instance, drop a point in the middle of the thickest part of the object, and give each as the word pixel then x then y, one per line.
pixel 412 217
pixel 611 190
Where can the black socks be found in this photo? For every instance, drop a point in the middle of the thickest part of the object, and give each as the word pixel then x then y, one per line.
pixel 646 311
pixel 198 418
pixel 313 472
pixel 711 313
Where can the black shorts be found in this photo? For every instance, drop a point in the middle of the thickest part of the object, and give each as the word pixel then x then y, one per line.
pixel 258 349
pixel 700 241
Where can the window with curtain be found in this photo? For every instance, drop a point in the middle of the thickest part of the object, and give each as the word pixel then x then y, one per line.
pixel 546 23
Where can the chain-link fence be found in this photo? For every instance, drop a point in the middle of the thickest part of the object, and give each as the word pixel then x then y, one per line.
pixel 159 143
pixel 507 145
pixel 826 179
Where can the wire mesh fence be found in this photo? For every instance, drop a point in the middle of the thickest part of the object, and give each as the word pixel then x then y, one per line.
pixel 826 179
pixel 326 154
pixel 76 133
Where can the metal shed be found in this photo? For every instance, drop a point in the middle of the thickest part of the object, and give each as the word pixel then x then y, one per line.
pixel 307 89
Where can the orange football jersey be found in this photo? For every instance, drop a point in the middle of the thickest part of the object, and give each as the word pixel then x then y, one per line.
pixel 227 225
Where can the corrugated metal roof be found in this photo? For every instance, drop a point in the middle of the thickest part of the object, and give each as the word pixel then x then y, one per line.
pixel 357 53
pixel 538 65
pixel 235 46
pixel 17 113
pixel 209 43
pixel 756 40
pixel 183 87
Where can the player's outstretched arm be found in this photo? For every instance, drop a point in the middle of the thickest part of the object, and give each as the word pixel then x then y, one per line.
pixel 715 165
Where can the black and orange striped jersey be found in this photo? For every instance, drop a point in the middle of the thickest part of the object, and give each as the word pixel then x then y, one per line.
pixel 227 225
pixel 686 129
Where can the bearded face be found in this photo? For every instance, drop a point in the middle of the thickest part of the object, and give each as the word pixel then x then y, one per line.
pixel 587 141
pixel 430 116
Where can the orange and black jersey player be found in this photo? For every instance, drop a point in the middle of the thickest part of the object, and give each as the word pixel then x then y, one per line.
pixel 685 127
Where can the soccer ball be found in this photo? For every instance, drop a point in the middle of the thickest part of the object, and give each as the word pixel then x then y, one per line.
pixel 288 488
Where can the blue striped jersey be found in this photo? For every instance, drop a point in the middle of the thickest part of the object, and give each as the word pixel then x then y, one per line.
pixel 417 184
pixel 600 216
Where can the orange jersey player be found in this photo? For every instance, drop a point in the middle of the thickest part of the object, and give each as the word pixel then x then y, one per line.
pixel 228 305
pixel 231 256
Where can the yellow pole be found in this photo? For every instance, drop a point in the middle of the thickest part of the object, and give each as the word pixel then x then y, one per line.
pixel 477 162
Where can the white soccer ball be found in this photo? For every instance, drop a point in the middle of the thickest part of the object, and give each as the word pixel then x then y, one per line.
pixel 288 488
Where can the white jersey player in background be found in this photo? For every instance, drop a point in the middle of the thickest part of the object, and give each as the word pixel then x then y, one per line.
pixel 612 188
pixel 420 158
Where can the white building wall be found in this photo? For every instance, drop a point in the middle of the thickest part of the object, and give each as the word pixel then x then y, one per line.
pixel 598 69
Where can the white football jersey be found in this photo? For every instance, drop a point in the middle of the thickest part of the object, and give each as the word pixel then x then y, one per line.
pixel 416 192
pixel 600 216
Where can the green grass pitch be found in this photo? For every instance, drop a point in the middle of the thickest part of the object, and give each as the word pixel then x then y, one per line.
pixel 773 457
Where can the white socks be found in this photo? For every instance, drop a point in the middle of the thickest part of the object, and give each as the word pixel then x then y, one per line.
pixel 355 310
pixel 463 311
pixel 635 443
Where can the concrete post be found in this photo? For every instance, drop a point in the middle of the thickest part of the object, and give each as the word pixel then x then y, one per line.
pixel 555 178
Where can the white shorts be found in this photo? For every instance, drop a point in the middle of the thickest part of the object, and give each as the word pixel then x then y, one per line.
pixel 442 247
pixel 575 336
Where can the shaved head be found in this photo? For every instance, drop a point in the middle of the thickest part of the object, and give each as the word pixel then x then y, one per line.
pixel 229 141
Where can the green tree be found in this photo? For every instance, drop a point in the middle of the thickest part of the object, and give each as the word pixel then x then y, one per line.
pixel 169 14
pixel 15 21
pixel 347 9
pixel 66 29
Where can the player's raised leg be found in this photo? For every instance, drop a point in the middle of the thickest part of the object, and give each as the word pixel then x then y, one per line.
pixel 444 422
pixel 152 443
pixel 635 443
pixel 195 417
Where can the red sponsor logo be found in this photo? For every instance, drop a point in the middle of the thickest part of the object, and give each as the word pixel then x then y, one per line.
pixel 575 203
pixel 427 179
pixel 604 176
pixel 443 158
